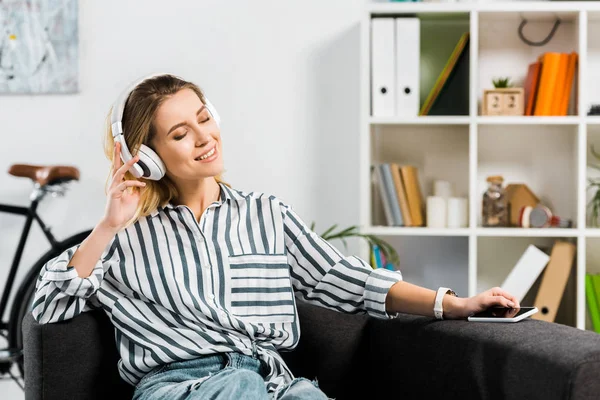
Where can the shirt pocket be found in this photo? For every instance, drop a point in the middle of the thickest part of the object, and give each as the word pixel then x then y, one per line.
pixel 261 290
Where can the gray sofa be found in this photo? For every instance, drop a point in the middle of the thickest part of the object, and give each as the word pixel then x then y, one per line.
pixel 354 357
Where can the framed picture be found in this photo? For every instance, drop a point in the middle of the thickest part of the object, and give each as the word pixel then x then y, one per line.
pixel 39 46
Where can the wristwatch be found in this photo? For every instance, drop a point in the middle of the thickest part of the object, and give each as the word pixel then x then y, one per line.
pixel 437 306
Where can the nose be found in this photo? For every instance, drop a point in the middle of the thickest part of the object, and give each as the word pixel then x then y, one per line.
pixel 203 133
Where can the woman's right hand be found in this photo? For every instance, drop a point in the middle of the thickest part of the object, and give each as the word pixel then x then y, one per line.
pixel 121 203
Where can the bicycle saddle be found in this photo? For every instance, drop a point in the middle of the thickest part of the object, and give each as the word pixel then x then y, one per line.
pixel 44 175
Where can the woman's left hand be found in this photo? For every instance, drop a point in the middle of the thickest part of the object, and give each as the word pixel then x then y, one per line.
pixel 494 297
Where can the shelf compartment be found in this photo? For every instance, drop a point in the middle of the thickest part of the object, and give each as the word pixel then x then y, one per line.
pixel 542 157
pixel 497 256
pixel 592 169
pixel 438 152
pixel 501 53
pixel 432 262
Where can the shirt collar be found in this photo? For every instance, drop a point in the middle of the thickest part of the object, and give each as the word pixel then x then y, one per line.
pixel 227 194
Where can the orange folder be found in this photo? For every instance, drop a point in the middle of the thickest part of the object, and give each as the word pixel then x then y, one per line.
pixel 561 81
pixel 550 66
pixel 568 88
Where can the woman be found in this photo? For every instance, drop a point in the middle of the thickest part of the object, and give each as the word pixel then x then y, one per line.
pixel 198 278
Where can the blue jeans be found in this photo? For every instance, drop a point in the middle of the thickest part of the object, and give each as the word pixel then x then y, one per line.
pixel 220 376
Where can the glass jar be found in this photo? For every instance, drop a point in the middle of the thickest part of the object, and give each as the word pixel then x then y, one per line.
pixel 495 207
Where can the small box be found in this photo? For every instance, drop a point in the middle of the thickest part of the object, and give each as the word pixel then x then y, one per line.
pixel 504 101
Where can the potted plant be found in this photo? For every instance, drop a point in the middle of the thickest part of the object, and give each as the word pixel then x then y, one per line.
pixel 388 250
pixel 503 99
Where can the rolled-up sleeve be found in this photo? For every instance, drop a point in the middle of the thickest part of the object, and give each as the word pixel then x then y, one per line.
pixel 61 293
pixel 323 276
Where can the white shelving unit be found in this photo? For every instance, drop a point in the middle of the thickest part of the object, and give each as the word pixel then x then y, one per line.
pixel 549 154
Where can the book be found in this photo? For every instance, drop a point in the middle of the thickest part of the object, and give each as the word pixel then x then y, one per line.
pixel 387 208
pixel 391 194
pixel 450 93
pixel 531 86
pixel 378 263
pixel 410 177
pixel 401 194
pixel 373 261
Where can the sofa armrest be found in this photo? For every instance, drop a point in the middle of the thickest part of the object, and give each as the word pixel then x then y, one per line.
pixel 74 359
pixel 530 359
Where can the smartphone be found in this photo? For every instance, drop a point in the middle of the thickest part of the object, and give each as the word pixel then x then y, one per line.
pixel 503 314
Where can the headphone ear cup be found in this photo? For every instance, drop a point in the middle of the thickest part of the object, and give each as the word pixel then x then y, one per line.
pixel 135 170
pixel 150 162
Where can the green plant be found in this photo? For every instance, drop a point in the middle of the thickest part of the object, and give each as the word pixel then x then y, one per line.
pixel 389 252
pixel 500 83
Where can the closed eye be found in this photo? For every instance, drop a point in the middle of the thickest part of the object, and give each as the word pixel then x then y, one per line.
pixel 182 136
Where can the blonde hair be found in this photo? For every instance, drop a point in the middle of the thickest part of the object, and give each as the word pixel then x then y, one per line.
pixel 138 127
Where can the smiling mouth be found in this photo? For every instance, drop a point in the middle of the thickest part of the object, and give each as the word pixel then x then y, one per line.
pixel 207 155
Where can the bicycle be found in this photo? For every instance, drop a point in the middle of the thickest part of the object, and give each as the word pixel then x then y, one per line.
pixel 53 180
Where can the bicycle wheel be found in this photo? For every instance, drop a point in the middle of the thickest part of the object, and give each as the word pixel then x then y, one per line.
pixel 23 299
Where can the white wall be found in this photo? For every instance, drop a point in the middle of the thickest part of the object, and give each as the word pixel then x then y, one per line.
pixel 283 75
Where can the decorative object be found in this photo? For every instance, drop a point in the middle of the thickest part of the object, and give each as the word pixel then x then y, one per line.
pixel 457 212
pixel 503 101
pixel 436 212
pixel 519 195
pixel 494 206
pixel 39 46
pixel 388 250
pixel 594 109
pixel 541 216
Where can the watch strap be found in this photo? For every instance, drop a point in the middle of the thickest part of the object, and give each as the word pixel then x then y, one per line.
pixel 439 297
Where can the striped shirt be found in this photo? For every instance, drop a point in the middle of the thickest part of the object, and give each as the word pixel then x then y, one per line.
pixel 176 289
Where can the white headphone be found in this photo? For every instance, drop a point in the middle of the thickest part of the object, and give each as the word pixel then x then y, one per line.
pixel 149 166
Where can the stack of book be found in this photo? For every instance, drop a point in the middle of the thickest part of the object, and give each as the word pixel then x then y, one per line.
pixel 592 294
pixel 400 192
pixel 378 259
pixel 549 84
